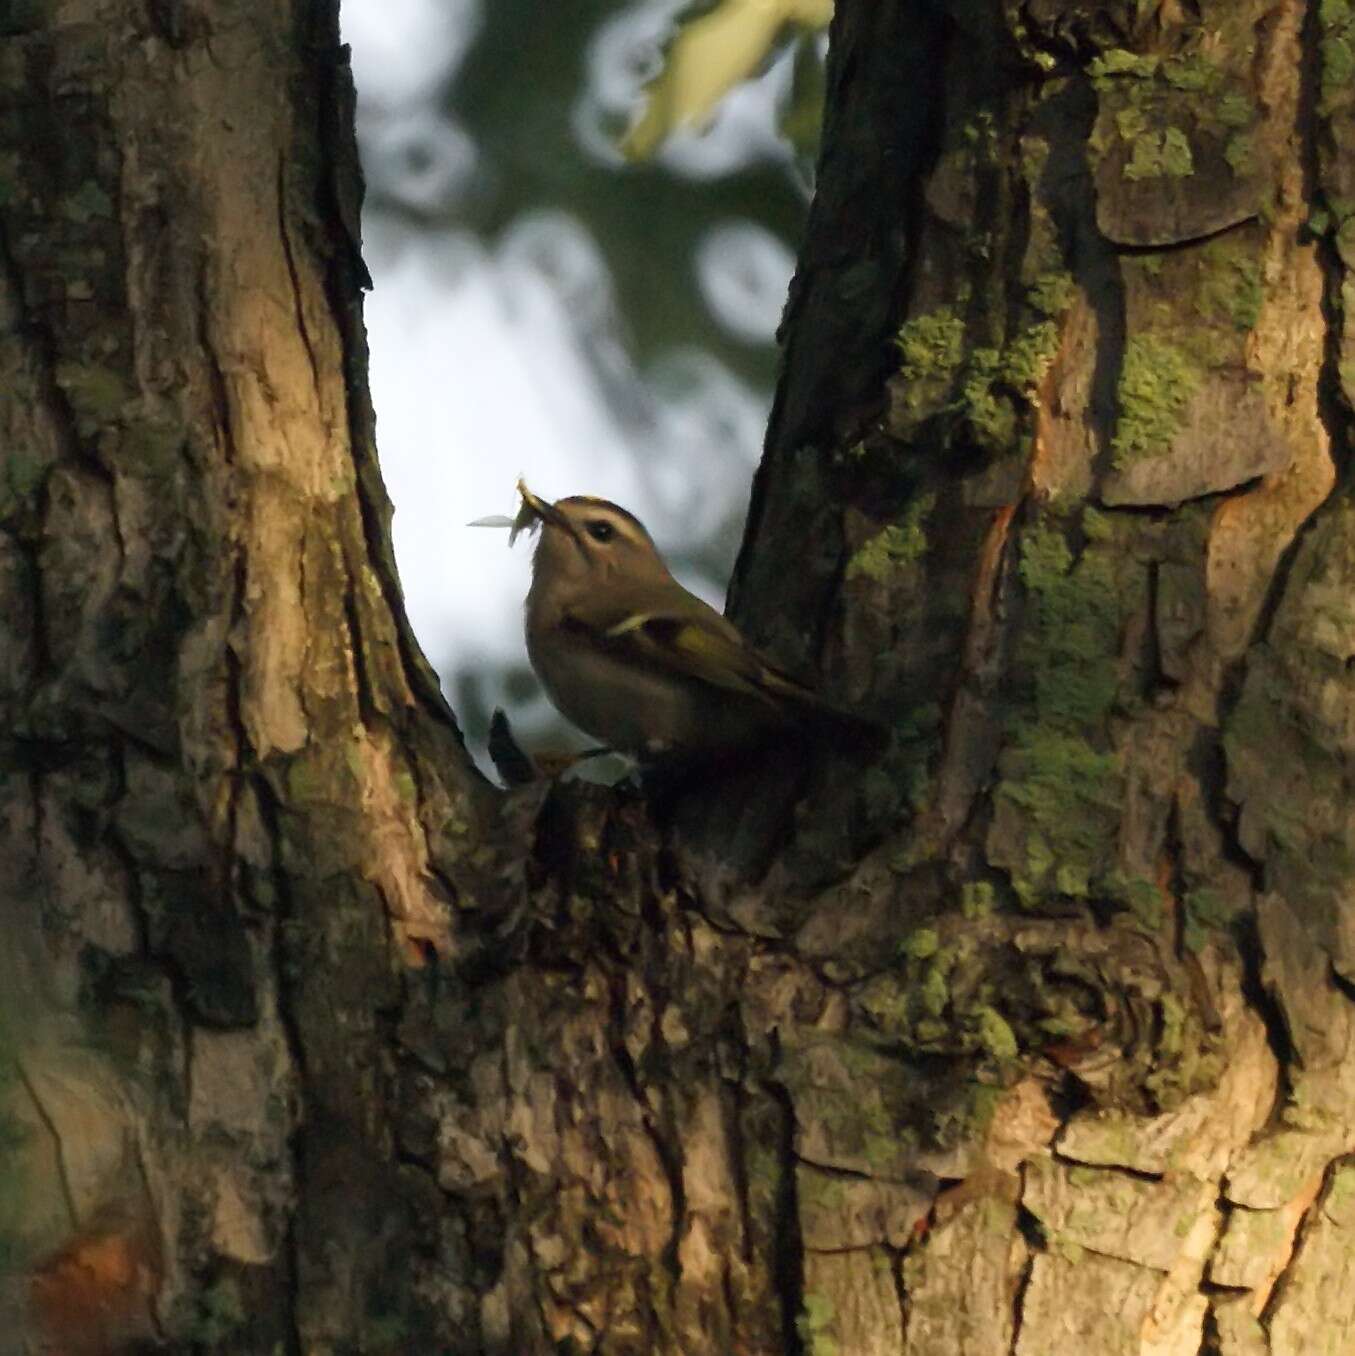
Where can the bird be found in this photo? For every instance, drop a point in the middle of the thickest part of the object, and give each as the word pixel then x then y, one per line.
pixel 634 659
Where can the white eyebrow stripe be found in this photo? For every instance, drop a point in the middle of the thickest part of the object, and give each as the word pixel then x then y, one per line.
pixel 623 522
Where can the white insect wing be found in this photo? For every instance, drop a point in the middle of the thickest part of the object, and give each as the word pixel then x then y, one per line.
pixel 527 517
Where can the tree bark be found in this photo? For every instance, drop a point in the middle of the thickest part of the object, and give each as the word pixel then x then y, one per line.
pixel 1034 1035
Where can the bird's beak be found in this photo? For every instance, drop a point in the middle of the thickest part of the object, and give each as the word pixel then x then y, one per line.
pixel 547 513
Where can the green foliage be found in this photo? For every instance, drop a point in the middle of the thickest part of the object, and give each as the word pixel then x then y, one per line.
pixel 715 48
pixel 1157 382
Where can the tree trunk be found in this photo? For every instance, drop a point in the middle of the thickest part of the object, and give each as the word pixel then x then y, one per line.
pixel 1035 1036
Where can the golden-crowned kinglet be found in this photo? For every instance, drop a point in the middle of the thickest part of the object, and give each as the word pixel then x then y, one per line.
pixel 627 654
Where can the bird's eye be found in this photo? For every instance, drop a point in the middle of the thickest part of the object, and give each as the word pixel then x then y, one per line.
pixel 601 530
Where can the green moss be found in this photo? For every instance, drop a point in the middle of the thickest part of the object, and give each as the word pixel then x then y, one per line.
pixel 1145 902
pixel 897 545
pixel 886 1003
pixel 218 1314
pixel 814 1325
pixel 14 1180
pixel 1052 293
pixel 1192 73
pixel 980 393
pixel 1045 559
pixel 97 394
pixel 1240 153
pixel 154 447
pixel 934 992
pixel 1160 155
pixel 993 377
pixel 1206 912
pixel 978 899
pixel 931 346
pixel 1337 19
pixel 1341 1193
pixel 1131 122
pixel 1034 152
pixel 23 475
pixel 984 1100
pixel 1097 526
pixel 305 780
pixel 387 1332
pixel 1070 794
pixel 1173 1015
pixel 1157 383
pixel 921 944
pixel 1067 790
pixel 988 415
pixel 1231 288
pixel 1072 648
pixel 1117 62
pixel 87 202
pixel 1235 110
pixel 1029 355
pixel 996 1034
pixel 820 1190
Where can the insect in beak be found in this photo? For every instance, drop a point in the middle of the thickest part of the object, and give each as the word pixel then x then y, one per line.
pixel 533 510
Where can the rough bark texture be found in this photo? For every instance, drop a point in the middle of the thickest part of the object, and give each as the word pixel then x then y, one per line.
pixel 1035 1036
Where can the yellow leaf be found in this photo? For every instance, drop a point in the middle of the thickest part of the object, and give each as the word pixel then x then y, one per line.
pixel 709 56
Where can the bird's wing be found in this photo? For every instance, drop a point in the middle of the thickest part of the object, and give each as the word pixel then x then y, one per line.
pixel 706 648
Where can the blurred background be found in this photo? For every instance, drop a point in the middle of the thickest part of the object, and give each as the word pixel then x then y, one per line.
pixel 581 223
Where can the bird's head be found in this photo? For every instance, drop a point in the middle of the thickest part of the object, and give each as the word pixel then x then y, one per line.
pixel 585 539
